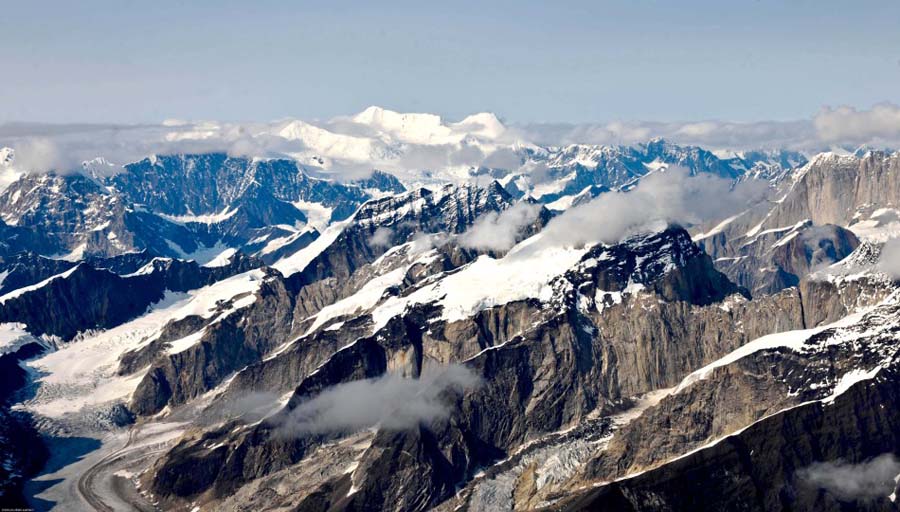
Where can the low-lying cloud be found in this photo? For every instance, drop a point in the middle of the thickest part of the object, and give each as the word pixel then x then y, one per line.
pixel 381 237
pixel 820 245
pixel 40 153
pixel 673 196
pixel 249 407
pixel 872 479
pixel 390 402
pixel 499 231
pixel 423 242
pixel 889 261
pixel 64 148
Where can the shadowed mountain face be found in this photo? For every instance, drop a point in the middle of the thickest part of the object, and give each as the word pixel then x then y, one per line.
pixel 176 205
pixel 819 211
pixel 806 447
pixel 245 335
pixel 86 297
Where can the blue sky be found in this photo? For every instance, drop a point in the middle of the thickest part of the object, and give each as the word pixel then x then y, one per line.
pixel 579 61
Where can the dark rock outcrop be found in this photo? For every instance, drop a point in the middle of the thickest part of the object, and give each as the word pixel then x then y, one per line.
pixel 760 468
pixel 85 297
pixel 541 370
pixel 27 268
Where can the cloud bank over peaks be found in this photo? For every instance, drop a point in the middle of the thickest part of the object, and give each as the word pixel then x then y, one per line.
pixel 410 144
pixel 672 196
pixel 846 125
pixel 843 126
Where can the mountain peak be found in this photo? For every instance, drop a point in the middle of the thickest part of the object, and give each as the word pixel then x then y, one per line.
pixel 332 145
pixel 422 128
pixel 485 124
pixel 382 117
pixel 6 156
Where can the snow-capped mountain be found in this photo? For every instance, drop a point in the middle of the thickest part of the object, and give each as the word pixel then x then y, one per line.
pixel 7 173
pixel 180 206
pixel 402 312
pixel 565 172
pixel 429 129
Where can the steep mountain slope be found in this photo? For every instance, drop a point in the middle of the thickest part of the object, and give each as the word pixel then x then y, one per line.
pixel 542 362
pixel 553 174
pixel 236 333
pixel 822 210
pixel 178 206
pixel 826 395
pixel 84 297
pixel 311 280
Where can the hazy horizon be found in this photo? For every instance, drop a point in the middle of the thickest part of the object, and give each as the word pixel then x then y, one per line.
pixel 528 62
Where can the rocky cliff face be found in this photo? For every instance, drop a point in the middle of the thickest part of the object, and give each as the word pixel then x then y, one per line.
pixel 542 368
pixel 828 398
pixel 23 452
pixel 23 456
pixel 774 260
pixel 819 211
pixel 360 353
pixel 84 297
pixel 210 183
pixel 758 468
pixel 226 341
pixel 175 205
pixel 833 189
pixel 26 268
pixel 572 169
pixel 276 314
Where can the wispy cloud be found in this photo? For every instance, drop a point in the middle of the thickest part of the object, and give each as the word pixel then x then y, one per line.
pixel 889 262
pixel 390 402
pixel 499 231
pixel 872 479
pixel 843 126
pixel 62 148
pixel 40 153
pixel 673 196
pixel 797 135
pixel 381 237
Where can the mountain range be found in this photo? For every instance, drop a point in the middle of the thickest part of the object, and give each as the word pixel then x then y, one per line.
pixel 395 312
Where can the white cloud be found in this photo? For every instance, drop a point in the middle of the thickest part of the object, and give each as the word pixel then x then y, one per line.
pixel 842 126
pixel 889 262
pixel 499 231
pixel 39 154
pixel 66 146
pixel 872 479
pixel 390 402
pixel 422 242
pixel 847 125
pixel 381 237
pixel 667 197
pixel 502 158
pixel 711 134
pixel 42 147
